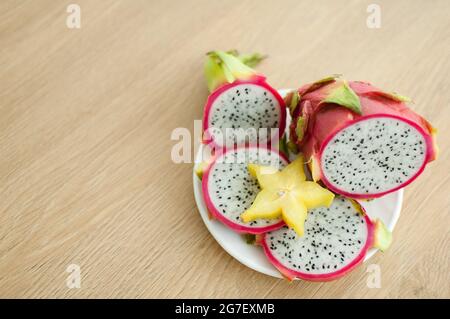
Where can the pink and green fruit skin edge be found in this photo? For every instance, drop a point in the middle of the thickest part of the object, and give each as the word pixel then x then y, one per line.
pixel 291 274
pixel 320 119
pixel 211 201
pixel 258 83
pixel 429 156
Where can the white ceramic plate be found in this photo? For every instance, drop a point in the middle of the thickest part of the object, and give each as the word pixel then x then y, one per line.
pixel 386 208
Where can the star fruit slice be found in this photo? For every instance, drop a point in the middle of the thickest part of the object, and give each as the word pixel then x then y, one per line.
pixel 286 193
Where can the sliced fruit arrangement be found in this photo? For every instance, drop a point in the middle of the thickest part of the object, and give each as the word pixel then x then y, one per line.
pixel 336 240
pixel 287 194
pixel 360 141
pixel 229 189
pixel 242 107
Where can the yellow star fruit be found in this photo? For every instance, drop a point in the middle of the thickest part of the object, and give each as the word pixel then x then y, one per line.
pixel 286 193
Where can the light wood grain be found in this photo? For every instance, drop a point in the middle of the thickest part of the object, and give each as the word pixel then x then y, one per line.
pixel 86 116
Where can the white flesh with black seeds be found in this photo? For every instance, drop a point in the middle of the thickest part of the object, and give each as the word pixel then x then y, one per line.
pixel 373 156
pixel 244 109
pixel 231 187
pixel 333 238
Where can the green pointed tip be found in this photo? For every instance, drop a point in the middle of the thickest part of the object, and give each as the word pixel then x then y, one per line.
pixel 282 146
pixel 249 238
pixel 399 98
pixel 233 52
pixel 328 79
pixel 292 147
pixel 294 101
pixel 214 73
pixel 344 96
pixel 222 67
pixel 252 59
pixel 383 237
pixel 300 128
pixel 234 65
pixel 318 84
pixel 200 169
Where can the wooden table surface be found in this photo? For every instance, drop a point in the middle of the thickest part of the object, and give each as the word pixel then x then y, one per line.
pixel 86 175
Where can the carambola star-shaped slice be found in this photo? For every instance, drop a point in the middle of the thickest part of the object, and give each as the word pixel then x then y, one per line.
pixel 286 193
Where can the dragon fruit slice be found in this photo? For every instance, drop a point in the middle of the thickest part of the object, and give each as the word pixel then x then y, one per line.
pixel 229 189
pixel 336 240
pixel 360 141
pixel 243 108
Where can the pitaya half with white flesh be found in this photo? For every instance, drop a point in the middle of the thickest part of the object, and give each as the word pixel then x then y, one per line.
pixel 360 141
pixel 336 240
pixel 242 108
pixel 229 189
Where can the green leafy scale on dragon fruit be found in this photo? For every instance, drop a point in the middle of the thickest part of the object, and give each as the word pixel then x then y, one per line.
pixel 368 154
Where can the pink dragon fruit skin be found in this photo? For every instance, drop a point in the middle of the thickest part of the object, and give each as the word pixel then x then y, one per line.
pixel 324 120
pixel 270 243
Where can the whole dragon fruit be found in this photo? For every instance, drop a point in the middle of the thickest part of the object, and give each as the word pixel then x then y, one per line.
pixel 242 108
pixel 360 141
